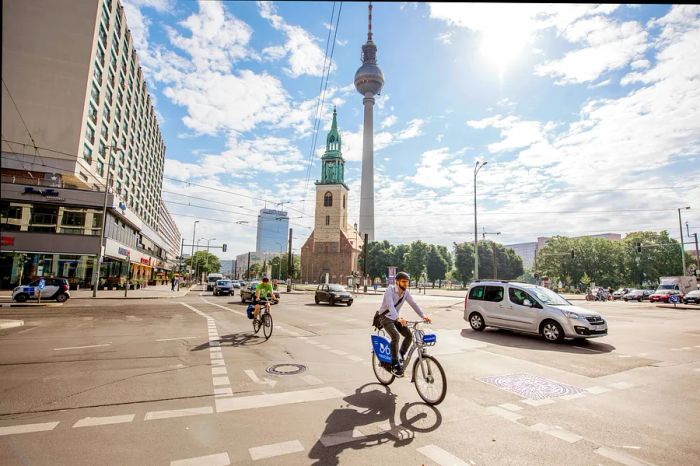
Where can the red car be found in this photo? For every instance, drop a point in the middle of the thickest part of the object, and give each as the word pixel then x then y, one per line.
pixel 664 295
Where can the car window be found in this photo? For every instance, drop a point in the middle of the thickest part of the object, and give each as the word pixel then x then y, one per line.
pixel 517 296
pixel 476 292
pixel 493 294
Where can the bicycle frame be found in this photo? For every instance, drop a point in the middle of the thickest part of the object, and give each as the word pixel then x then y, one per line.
pixel 417 343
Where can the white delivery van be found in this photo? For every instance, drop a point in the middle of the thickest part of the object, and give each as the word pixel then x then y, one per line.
pixel 682 284
pixel 211 280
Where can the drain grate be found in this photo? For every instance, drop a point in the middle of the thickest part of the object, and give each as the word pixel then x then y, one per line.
pixel 531 386
pixel 286 369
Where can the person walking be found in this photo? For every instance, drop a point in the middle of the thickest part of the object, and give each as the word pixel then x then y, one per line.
pixel 172 283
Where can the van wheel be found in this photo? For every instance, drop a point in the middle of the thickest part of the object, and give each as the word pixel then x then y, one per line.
pixel 20 298
pixel 552 331
pixel 62 298
pixel 476 321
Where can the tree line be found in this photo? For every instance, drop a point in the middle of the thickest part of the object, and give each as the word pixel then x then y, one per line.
pixel 436 263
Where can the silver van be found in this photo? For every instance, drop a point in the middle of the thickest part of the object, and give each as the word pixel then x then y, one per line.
pixel 531 309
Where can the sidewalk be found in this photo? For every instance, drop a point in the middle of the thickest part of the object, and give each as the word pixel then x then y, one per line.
pixel 150 292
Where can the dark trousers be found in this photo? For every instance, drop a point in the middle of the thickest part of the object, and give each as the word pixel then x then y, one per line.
pixel 395 330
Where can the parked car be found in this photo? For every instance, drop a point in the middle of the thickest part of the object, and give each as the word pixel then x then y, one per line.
pixel 634 295
pixel 692 297
pixel 647 294
pixel 620 293
pixel 663 295
pixel 333 293
pixel 223 287
pixel 530 309
pixel 55 288
pixel 248 293
pixel 236 284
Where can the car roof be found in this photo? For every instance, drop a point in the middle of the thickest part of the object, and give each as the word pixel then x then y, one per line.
pixel 500 283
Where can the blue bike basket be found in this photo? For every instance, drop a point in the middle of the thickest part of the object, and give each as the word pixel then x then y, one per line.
pixel 429 339
pixel 382 348
pixel 250 310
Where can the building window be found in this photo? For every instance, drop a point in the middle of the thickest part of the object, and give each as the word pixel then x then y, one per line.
pixel 328 219
pixel 43 219
pixel 100 168
pixel 328 200
pixel 90 134
pixel 343 201
pixel 101 149
pixel 87 153
pixel 92 113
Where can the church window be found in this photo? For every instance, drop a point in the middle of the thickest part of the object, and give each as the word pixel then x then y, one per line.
pixel 343 202
pixel 328 219
pixel 328 200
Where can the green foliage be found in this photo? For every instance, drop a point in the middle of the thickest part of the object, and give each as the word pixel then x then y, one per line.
pixel 416 258
pixel 280 266
pixel 204 262
pixel 436 265
pixel 464 262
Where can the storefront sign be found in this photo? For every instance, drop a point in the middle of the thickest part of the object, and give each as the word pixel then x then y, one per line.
pixel 124 252
pixel 52 193
pixel 7 240
pixel 145 261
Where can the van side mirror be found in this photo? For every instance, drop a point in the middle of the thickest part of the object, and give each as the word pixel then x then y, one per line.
pixel 528 303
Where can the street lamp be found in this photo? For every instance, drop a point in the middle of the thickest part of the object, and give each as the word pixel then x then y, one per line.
pixel 680 225
pixel 100 256
pixel 194 229
pixel 478 166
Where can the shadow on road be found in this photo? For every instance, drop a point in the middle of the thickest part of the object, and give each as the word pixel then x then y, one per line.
pixel 371 404
pixel 234 339
pixel 513 339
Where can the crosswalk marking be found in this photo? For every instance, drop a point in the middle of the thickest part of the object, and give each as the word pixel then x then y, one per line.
pixel 105 420
pixel 338 438
pixel 276 399
pixel 440 456
pixel 27 428
pixel 152 415
pixel 220 459
pixel 275 449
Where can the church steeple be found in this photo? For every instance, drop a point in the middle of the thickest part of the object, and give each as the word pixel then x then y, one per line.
pixel 333 165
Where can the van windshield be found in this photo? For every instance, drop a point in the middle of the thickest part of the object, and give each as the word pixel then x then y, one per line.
pixel 548 296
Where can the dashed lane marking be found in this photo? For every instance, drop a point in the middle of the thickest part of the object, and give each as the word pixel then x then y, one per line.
pixel 81 347
pixel 620 457
pixel 621 385
pixel 597 390
pixel 224 391
pixel 275 449
pixel 226 308
pixel 339 352
pixel 573 396
pixel 178 338
pixel 339 438
pixel 218 381
pixel 276 399
pixel 27 428
pixel 218 371
pixel 504 413
pixel 220 459
pixel 105 420
pixel 510 407
pixel 355 358
pixel 557 432
pixel 543 401
pixel 311 379
pixel 152 415
pixel 440 456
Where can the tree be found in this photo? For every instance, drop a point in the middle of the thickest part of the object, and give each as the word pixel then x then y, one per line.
pixel 436 265
pixel 464 262
pixel 660 256
pixel 204 262
pixel 415 259
pixel 398 256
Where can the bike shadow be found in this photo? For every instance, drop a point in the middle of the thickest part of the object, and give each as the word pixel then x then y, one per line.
pixel 235 340
pixel 377 412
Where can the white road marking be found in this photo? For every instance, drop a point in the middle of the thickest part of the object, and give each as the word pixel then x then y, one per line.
pixel 275 449
pixel 27 330
pixel 573 396
pixel 620 457
pixel 216 356
pixel 597 390
pixel 223 391
pixel 510 407
pixel 504 413
pixel 81 347
pixel 687 348
pixel 313 342
pixel 311 380
pixel 179 338
pixel 265 381
pixel 621 385
pixel 440 456
pixel 226 308
pixel 325 347
pixel 218 371
pixel 27 428
pixel 643 354
pixel 221 381
pixel 355 358
pixel 218 362
pixel 543 401
pixel 101 421
pixel 631 447
pixel 557 432
pixel 152 415
pixel 276 399
pixel 339 352
pixel 214 349
pixel 338 438
pixel 220 459
pixel 624 356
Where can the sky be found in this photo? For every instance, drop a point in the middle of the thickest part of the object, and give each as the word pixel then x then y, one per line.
pixel 587 116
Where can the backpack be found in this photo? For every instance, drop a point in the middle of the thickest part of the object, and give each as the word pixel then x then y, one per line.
pixel 250 310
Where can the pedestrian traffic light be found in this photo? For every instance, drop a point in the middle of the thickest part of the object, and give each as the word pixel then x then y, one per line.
pixel 572 253
pixel 639 247
pixel 223 248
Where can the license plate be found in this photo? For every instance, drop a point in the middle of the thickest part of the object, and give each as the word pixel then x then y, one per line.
pixel 599 327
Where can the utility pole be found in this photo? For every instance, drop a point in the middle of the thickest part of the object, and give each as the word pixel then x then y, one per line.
pixel 179 264
pixel 680 225
pixel 248 273
pixel 364 265
pixel 697 257
pixel 194 229
pixel 290 264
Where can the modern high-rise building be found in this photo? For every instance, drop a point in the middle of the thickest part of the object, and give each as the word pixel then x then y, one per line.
pixel 76 118
pixel 273 231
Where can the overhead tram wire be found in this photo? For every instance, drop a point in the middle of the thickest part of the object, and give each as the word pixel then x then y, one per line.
pixel 323 99
pixel 20 115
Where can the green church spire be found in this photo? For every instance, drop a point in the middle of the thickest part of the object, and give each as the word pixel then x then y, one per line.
pixel 333 165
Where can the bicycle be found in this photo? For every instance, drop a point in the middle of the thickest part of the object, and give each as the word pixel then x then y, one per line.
pixel 264 319
pixel 430 380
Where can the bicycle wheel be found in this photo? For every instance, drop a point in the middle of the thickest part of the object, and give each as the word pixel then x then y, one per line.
pixel 257 322
pixel 384 376
pixel 267 325
pixel 429 378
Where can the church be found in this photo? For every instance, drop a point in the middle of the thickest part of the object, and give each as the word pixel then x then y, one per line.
pixel 333 247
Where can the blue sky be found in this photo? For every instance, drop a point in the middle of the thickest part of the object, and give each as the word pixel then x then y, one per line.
pixel 587 115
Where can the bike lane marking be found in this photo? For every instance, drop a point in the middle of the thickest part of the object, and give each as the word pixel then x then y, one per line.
pixel 275 449
pixel 27 428
pixel 219 459
pixel 440 456
pixel 104 420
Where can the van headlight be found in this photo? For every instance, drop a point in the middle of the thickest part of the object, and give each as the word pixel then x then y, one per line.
pixel 571 315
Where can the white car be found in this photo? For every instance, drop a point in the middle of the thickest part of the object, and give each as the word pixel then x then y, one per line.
pixel 54 288
pixel 531 309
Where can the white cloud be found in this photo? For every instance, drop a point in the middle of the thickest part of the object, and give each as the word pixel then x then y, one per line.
pixel 305 56
pixel 388 121
pixel 413 130
pixel 431 171
pixel 445 37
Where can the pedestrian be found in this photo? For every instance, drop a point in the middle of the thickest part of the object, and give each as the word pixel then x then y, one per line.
pixel 172 283
pixel 40 288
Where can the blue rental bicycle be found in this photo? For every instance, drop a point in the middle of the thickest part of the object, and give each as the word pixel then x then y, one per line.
pixel 427 373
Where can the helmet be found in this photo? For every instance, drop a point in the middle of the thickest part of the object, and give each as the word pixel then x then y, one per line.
pixel 403 276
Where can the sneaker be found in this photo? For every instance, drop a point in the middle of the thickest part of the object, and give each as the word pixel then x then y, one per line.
pixel 397 370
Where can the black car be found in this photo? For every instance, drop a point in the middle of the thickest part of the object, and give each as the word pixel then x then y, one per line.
pixel 223 287
pixel 634 295
pixel 692 297
pixel 248 293
pixel 333 293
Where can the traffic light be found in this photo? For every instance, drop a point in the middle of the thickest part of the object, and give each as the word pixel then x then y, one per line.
pixel 639 247
pixel 572 253
pixel 223 248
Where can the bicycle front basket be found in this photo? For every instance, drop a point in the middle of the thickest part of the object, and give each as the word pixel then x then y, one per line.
pixel 429 339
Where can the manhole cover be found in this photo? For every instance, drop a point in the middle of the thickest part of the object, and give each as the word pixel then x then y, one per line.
pixel 531 386
pixel 286 369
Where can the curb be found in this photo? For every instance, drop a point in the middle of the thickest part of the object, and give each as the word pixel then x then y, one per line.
pixel 30 305
pixel 684 307
pixel 11 323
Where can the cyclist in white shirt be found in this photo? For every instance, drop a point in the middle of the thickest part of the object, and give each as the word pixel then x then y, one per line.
pixel 393 323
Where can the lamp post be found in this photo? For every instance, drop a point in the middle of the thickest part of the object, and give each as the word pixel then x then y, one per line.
pixel 100 256
pixel 194 229
pixel 695 235
pixel 478 166
pixel 680 225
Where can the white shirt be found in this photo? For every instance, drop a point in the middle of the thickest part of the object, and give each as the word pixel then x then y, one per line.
pixel 391 297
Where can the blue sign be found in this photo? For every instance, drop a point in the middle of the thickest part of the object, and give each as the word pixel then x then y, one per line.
pixel 674 298
pixel 382 348
pixel 42 284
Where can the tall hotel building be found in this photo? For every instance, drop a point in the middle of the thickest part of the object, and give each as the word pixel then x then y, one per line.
pixel 76 117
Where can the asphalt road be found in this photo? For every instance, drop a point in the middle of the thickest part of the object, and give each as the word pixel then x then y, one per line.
pixel 184 381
